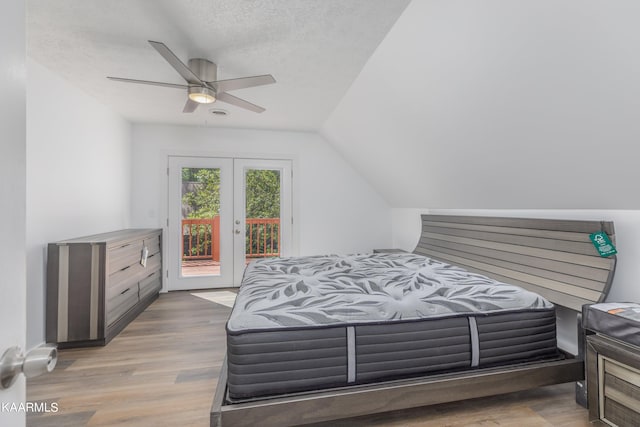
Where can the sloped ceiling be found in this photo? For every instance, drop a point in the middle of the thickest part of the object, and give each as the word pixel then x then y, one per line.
pixel 500 104
pixel 313 48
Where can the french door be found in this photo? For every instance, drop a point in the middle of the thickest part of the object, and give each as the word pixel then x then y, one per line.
pixel 224 213
pixel 262 211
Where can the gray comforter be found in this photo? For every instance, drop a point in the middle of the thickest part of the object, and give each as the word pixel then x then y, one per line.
pixel 341 290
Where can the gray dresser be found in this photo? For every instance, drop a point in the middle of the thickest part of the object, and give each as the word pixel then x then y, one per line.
pixel 97 284
pixel 613 363
pixel 613 381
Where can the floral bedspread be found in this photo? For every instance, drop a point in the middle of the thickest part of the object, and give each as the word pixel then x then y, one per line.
pixel 321 291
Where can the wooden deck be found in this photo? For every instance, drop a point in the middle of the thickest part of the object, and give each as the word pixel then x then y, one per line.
pixel 203 267
pixel 200 267
pixel 163 368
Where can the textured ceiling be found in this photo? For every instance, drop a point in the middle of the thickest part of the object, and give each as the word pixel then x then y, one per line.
pixel 314 49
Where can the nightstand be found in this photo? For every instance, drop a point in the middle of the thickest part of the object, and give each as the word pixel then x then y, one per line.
pixel 389 251
pixel 613 365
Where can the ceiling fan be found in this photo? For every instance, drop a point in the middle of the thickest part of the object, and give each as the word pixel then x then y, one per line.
pixel 202 86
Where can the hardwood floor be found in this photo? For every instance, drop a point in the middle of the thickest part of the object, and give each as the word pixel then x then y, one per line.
pixel 162 371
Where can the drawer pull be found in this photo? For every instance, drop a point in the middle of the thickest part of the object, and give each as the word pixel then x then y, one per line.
pixel 125 291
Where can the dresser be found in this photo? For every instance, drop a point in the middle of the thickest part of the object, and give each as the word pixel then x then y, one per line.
pixel 613 363
pixel 613 381
pixel 97 284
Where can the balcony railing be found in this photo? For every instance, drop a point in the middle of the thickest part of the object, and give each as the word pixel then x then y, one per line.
pixel 263 237
pixel 201 238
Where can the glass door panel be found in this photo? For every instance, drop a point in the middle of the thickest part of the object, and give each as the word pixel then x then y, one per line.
pixel 200 222
pixel 262 211
pixel 200 210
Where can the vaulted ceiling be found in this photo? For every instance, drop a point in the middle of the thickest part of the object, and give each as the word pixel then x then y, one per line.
pixel 500 104
pixel 314 49
pixel 437 103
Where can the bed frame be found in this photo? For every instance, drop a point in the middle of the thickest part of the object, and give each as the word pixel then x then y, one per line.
pixel 554 258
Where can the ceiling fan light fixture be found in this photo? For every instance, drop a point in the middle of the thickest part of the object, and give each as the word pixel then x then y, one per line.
pixel 201 95
pixel 202 86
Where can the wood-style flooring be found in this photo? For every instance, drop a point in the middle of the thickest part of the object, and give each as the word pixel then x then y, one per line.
pixel 162 371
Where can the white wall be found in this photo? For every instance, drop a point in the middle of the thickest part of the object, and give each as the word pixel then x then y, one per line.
pixel 12 196
pixel 529 104
pixel 335 210
pixel 78 175
pixel 406 227
pixel 503 104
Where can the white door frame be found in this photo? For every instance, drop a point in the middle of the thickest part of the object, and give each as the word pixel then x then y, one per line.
pixel 13 176
pixel 176 280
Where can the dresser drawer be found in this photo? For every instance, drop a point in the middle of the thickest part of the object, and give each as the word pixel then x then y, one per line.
pixel 619 392
pixel 153 244
pixel 124 256
pixel 154 262
pixel 150 284
pixel 613 381
pixel 130 253
pixel 121 303
pixel 122 279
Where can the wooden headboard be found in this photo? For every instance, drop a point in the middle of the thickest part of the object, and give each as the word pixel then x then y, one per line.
pixel 554 258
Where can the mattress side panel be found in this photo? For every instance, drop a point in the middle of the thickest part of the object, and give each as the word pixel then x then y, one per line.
pixel 399 350
pixel 274 362
pixel 517 336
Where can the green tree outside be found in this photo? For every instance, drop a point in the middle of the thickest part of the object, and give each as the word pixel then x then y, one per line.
pixel 201 192
pixel 201 199
pixel 263 193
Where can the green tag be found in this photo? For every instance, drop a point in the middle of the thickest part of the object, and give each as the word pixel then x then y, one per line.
pixel 603 244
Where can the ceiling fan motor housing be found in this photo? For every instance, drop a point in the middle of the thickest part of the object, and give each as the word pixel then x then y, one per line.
pixel 206 70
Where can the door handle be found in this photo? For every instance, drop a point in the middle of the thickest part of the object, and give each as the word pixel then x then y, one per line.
pixel 36 362
pixel 237 231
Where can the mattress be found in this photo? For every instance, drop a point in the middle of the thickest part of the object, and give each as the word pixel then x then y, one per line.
pixel 309 323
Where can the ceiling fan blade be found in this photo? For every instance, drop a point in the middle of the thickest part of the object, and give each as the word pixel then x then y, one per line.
pixel 233 100
pixel 178 65
pixel 241 83
pixel 147 82
pixel 190 106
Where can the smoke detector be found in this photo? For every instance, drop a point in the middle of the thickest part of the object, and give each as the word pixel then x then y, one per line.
pixel 218 112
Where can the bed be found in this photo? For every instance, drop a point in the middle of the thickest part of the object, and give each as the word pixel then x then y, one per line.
pixel 470 313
